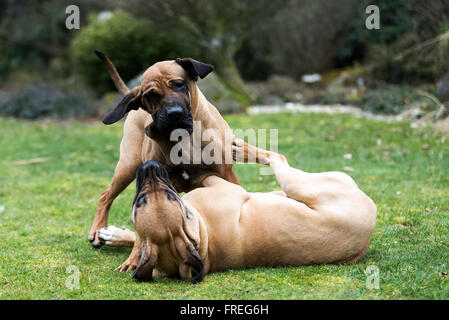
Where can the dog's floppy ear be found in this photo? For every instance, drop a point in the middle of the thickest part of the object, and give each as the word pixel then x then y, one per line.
pixel 192 266
pixel 131 101
pixel 147 262
pixel 195 68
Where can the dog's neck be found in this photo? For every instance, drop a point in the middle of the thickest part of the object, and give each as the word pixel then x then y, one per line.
pixel 195 95
pixel 199 104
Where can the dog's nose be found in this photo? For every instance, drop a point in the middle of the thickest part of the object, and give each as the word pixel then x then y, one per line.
pixel 175 113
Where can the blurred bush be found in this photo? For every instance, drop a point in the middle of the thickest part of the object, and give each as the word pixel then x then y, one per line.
pixel 217 28
pixel 307 35
pixel 275 41
pixel 131 44
pixel 387 99
pixel 277 90
pixel 318 36
pixel 33 35
pixel 43 101
pixel 410 60
pixel 408 47
pixel 255 58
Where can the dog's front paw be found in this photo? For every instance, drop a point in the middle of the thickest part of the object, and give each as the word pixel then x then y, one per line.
pixel 116 237
pixel 244 152
pixel 94 238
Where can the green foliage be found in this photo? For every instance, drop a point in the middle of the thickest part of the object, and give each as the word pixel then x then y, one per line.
pixel 403 25
pixel 261 38
pixel 33 33
pixel 305 36
pixel 218 28
pixel 408 183
pixel 42 101
pixel 379 99
pixel 393 23
pixel 254 58
pixel 387 100
pixel 131 44
pixel 315 36
pixel 405 61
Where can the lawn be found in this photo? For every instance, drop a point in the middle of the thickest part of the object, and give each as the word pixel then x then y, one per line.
pixel 49 207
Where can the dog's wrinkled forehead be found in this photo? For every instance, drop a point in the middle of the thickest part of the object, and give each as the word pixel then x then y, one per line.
pixel 162 71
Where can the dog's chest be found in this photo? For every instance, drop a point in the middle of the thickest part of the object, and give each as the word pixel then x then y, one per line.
pixel 188 177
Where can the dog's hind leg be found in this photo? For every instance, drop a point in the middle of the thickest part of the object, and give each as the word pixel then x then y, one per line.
pixel 313 189
pixel 332 197
pixel 319 191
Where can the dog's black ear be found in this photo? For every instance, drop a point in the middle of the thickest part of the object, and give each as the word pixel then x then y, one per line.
pixel 192 265
pixel 131 101
pixel 147 262
pixel 195 68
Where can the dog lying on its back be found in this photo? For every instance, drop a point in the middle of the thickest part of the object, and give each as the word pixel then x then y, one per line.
pixel 316 218
pixel 168 98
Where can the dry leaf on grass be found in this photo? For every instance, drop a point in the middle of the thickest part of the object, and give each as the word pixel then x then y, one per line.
pixel 29 161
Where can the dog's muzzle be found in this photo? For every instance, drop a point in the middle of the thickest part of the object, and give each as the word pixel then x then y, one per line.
pixel 170 118
pixel 175 113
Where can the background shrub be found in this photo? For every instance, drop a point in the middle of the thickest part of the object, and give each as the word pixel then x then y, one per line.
pixel 132 45
pixel 406 60
pixel 43 101
pixel 33 35
pixel 245 40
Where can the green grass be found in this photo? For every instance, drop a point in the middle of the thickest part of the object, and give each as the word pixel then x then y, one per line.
pixel 50 207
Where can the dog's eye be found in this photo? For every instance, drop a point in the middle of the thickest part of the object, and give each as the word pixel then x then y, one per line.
pixel 152 97
pixel 178 84
pixel 141 200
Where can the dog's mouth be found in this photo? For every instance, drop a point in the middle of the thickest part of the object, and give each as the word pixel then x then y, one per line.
pixel 188 127
pixel 163 124
pixel 152 131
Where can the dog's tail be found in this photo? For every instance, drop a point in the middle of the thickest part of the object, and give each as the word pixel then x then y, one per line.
pixel 118 81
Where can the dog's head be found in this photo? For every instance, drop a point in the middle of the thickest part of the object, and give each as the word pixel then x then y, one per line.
pixel 167 230
pixel 166 93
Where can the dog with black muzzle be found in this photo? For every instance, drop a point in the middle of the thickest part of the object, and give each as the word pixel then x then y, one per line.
pixel 316 218
pixel 168 98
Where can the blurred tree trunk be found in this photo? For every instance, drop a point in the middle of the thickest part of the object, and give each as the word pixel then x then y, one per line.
pixel 229 72
pixel 223 60
pixel 218 27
